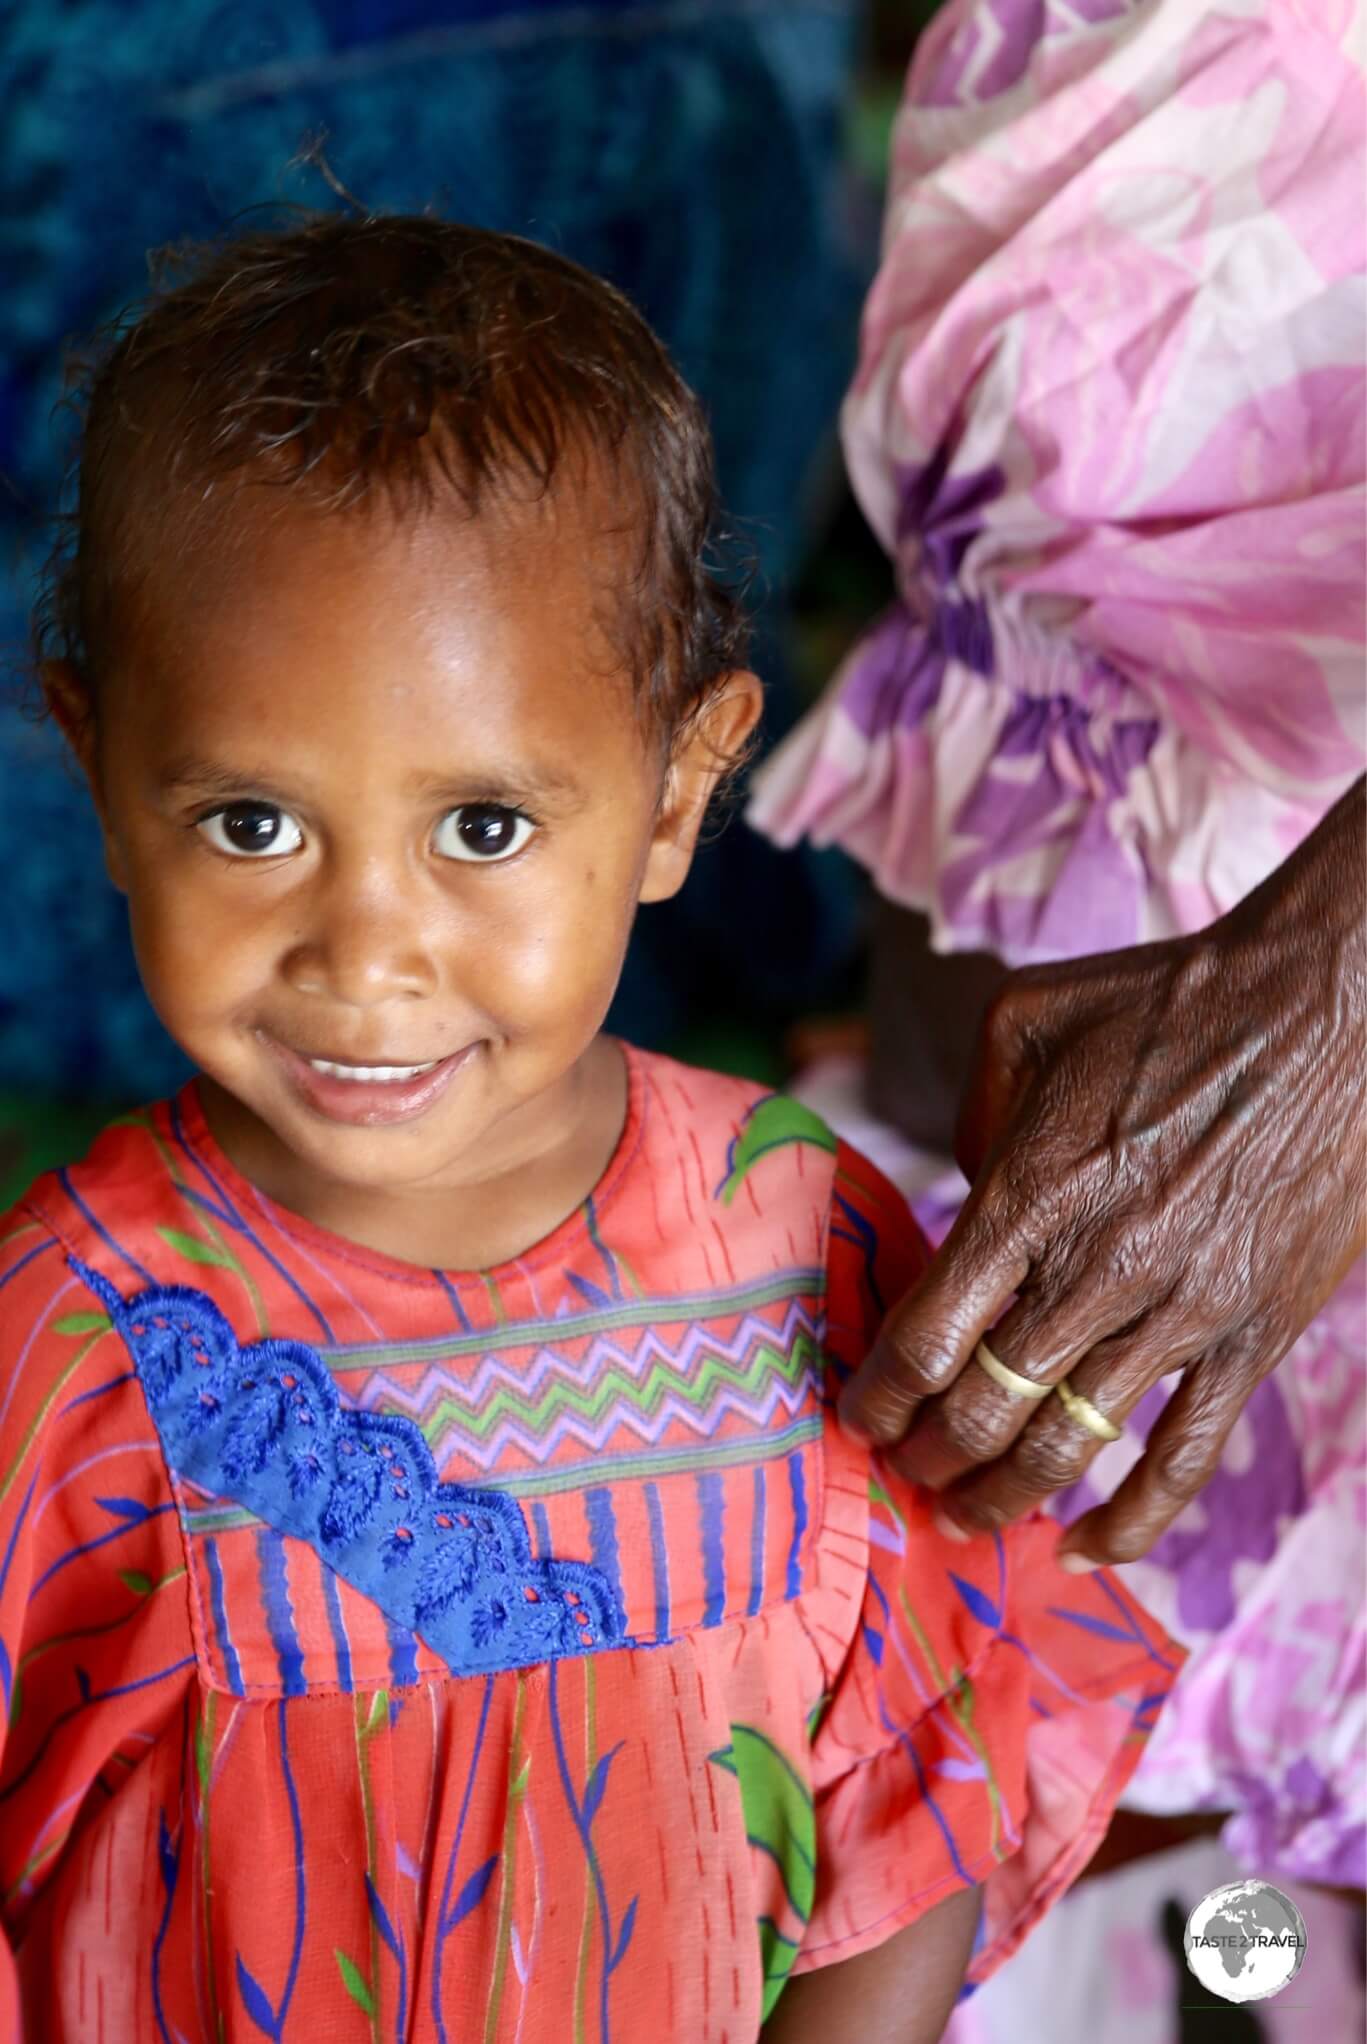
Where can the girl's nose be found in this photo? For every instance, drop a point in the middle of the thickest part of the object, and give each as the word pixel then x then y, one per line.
pixel 364 944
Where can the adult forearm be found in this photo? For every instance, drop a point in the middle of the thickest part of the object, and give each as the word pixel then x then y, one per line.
pixel 1304 933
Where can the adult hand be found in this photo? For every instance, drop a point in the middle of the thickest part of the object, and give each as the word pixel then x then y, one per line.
pixel 1166 1148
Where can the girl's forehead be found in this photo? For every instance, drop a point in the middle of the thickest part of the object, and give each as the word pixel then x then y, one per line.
pixel 265 575
pixel 380 631
pixel 270 542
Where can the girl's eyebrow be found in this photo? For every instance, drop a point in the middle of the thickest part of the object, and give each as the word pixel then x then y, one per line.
pixel 489 783
pixel 189 772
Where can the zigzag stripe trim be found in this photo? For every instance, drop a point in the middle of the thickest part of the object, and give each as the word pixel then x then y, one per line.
pixel 755 1418
pixel 750 1389
pixel 685 1359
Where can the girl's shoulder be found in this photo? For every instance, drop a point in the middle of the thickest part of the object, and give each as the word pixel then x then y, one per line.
pixel 124 1188
pixel 759 1177
pixel 69 1396
pixel 75 1217
pixel 734 1146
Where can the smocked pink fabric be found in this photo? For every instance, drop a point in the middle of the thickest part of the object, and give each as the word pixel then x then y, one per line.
pixel 1108 422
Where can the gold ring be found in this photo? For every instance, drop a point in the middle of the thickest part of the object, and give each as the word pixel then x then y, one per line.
pixel 1085 1413
pixel 1019 1387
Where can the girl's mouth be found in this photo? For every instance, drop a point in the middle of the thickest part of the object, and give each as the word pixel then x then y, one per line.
pixel 367 1096
pixel 362 1075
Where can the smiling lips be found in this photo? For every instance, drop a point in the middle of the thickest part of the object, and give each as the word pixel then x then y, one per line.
pixel 366 1074
pixel 366 1095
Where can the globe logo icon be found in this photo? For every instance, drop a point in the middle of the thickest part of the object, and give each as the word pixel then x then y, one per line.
pixel 1245 1942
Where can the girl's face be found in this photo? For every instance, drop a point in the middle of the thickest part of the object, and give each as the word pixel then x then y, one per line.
pixel 379 798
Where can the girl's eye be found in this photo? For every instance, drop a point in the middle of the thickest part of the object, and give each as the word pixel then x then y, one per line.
pixel 251 830
pixel 483 830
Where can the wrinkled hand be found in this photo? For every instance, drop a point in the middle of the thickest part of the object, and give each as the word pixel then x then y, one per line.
pixel 1166 1148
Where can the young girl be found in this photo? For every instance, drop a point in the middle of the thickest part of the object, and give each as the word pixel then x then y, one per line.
pixel 435 1599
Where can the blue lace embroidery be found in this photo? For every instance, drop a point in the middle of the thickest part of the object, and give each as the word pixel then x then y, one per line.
pixel 264 1426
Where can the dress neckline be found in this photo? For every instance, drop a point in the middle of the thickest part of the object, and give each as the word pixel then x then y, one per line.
pixel 187 1109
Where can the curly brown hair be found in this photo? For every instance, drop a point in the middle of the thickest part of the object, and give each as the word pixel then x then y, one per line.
pixel 401 353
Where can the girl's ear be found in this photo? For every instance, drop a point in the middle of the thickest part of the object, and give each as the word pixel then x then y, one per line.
pixel 712 743
pixel 68 698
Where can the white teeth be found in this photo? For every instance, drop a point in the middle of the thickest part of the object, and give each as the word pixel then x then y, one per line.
pixel 372 1074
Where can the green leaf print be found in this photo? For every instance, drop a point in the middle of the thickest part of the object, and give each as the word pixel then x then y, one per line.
pixel 878 1496
pixel 196 1251
pixel 133 1579
pixel 355 1983
pixel 204 1754
pixel 780 1818
pixel 773 1123
pixel 82 1323
pixel 815 1715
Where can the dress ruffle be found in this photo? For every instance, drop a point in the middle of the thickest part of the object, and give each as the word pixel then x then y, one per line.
pixel 1033 1686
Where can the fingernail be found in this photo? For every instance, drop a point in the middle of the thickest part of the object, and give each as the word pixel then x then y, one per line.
pixel 949 1527
pixel 1078 1564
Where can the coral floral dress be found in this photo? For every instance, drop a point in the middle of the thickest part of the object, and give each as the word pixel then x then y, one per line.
pixel 517 1654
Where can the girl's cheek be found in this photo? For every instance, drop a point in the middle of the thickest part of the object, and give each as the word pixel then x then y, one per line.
pixel 188 943
pixel 563 967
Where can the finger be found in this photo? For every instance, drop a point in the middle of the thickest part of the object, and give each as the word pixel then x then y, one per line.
pixel 1181 1456
pixel 1041 1339
pixel 927 1338
pixel 1056 1447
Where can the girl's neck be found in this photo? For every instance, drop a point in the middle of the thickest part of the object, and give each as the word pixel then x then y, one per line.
pixel 474 1224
